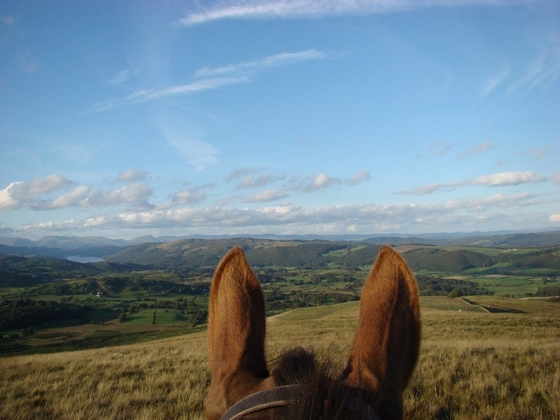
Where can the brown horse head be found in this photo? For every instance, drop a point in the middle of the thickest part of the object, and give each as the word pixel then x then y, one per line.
pixel 381 362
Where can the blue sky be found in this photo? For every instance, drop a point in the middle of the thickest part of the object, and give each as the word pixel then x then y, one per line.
pixel 126 118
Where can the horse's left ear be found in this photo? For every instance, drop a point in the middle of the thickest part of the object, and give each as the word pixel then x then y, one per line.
pixel 236 332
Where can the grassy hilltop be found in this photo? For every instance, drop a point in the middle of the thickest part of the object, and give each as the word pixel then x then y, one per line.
pixel 126 337
pixel 473 363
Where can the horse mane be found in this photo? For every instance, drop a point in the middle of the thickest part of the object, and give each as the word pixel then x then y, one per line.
pixel 324 394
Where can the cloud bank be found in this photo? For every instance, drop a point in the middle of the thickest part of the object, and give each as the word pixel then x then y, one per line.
pixel 340 218
pixel 129 207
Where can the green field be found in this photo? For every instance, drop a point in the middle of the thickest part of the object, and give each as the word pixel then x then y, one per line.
pixel 293 274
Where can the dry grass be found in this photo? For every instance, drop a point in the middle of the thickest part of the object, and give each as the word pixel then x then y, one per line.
pixel 472 366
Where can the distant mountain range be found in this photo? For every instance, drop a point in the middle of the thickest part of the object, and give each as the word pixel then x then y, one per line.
pixel 92 246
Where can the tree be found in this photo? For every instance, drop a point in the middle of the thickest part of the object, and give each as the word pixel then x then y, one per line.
pixel 122 317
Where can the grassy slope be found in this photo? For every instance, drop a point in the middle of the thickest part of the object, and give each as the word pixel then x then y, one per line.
pixel 473 364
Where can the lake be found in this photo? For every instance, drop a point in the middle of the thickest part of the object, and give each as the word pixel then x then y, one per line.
pixel 77 258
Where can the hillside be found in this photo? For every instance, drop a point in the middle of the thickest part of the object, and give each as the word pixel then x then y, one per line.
pixel 435 259
pixel 195 253
pixel 174 277
pixel 473 364
pixel 19 271
pixel 62 246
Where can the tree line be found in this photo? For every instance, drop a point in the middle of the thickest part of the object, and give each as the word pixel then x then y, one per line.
pixel 23 313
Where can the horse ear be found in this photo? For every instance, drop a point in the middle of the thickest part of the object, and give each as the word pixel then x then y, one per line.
pixel 236 331
pixel 387 341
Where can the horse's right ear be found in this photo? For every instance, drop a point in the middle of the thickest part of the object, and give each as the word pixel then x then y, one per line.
pixel 387 341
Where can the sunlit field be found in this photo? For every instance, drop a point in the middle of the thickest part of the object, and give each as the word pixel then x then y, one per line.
pixel 474 364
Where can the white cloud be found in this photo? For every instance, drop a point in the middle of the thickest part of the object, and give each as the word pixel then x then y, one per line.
pixel 19 194
pixel 131 175
pixel 555 218
pixel 8 201
pixel 508 178
pixel 51 183
pixel 266 196
pixel 498 209
pixel 131 193
pixel 492 180
pixel 319 182
pixel 251 181
pixel 240 173
pixel 78 197
pixel 360 177
pixel 35 195
pixel 293 9
pixel 556 178
pixel 190 196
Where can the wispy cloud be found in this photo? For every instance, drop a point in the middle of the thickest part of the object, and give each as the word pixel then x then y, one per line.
pixel 477 150
pixel 294 9
pixel 493 180
pixel 122 76
pixel 185 139
pixel 8 19
pixel 440 148
pixel 28 63
pixel 535 154
pixel 210 78
pixel 494 82
pixel 256 66
pixel 151 95
pixel 429 189
pixel 542 72
pixel 198 153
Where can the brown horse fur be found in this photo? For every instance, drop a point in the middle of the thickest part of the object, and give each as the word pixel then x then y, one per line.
pixel 382 359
